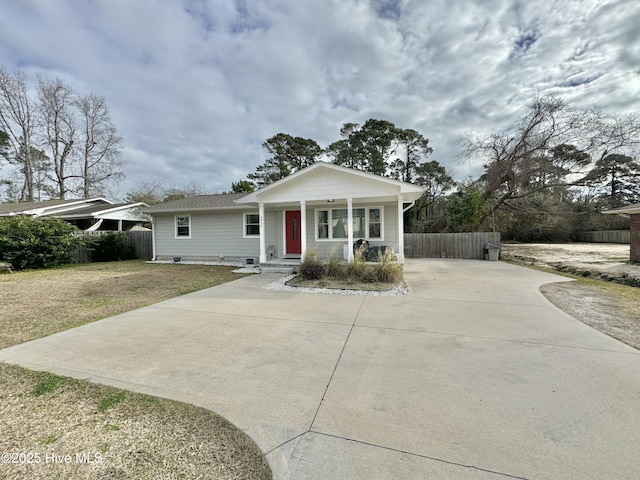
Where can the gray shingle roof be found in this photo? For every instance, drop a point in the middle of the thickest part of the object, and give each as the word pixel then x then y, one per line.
pixel 198 202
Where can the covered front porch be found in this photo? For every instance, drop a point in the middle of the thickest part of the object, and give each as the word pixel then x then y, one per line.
pixel 328 208
pixel 329 227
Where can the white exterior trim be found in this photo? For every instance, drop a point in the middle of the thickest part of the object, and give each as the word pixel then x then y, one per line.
pixel 244 224
pixel 366 236
pixel 175 225
pixel 350 228
pixel 400 252
pixel 263 248
pixel 303 228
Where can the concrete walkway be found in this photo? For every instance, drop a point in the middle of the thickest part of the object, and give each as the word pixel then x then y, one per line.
pixel 473 375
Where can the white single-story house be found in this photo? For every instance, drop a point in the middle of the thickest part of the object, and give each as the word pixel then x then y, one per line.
pixel 633 212
pixel 324 207
pixel 86 213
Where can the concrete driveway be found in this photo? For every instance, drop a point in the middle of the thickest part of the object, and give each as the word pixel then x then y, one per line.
pixel 473 375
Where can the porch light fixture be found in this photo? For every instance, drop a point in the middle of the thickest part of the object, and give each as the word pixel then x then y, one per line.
pixel 331 200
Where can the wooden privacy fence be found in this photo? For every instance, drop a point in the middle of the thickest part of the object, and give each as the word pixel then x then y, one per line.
pixel 606 236
pixel 141 241
pixel 448 245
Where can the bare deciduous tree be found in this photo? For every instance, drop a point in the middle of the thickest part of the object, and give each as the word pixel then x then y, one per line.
pixel 61 142
pixel 552 147
pixel 58 125
pixel 17 119
pixel 100 144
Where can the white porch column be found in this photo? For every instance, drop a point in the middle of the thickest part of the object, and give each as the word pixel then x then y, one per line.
pixel 400 252
pixel 303 227
pixel 350 227
pixel 263 251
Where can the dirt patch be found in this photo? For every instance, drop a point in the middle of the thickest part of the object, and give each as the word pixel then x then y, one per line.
pixel 551 253
pixel 606 261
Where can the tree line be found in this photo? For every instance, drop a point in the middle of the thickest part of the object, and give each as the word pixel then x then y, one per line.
pixel 377 146
pixel 552 174
pixel 57 141
pixel 547 177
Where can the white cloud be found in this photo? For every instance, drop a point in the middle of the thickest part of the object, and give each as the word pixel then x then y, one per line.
pixel 195 87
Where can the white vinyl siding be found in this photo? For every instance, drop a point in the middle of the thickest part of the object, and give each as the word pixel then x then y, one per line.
pixel 212 235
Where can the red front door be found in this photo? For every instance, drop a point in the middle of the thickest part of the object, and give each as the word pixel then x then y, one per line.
pixel 292 229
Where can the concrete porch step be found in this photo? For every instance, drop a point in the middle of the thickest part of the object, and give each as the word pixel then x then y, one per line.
pixel 285 269
pixel 280 265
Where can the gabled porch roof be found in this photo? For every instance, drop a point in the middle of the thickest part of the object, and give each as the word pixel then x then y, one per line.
pixel 325 181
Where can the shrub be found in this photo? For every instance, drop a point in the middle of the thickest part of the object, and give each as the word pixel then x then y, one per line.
pixel 27 242
pixel 112 247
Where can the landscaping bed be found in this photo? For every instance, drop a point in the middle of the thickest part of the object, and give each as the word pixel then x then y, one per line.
pixel 359 275
pixel 338 283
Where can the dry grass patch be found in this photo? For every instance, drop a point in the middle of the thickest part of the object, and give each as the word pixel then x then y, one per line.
pixel 41 302
pixel 125 435
pixel 115 434
pixel 611 308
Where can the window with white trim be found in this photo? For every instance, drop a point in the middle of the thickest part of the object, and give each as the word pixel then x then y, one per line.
pixel 183 226
pixel 251 225
pixel 375 223
pixel 323 223
pixel 331 223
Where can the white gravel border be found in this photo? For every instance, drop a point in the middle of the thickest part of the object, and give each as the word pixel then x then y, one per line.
pixel 281 284
pixel 243 267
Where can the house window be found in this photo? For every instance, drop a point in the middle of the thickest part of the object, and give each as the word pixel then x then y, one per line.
pixel 359 223
pixel 339 223
pixel 332 223
pixel 323 224
pixel 251 225
pixel 375 223
pixel 183 226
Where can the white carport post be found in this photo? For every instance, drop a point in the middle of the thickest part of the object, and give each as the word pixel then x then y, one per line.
pixel 350 228
pixel 303 227
pixel 263 250
pixel 400 252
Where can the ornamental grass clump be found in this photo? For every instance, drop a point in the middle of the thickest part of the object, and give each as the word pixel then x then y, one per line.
pixel 311 268
pixel 386 270
pixel 334 268
pixel 357 269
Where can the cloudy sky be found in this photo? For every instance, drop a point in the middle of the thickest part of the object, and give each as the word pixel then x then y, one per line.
pixel 195 86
